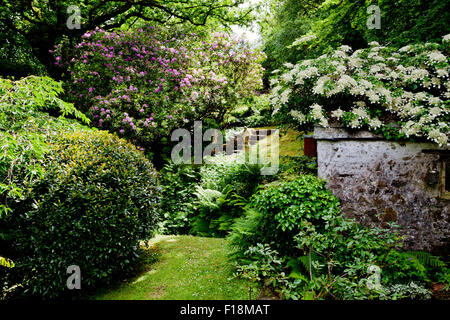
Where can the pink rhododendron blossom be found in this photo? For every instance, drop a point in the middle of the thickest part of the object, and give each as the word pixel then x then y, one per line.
pixel 149 70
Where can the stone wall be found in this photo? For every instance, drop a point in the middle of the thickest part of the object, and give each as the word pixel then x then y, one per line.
pixel 379 181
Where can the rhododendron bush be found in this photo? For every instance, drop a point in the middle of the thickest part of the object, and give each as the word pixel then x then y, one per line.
pixel 401 93
pixel 143 83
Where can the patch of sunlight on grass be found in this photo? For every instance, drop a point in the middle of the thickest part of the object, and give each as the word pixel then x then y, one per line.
pixel 190 268
pixel 139 279
pixel 289 143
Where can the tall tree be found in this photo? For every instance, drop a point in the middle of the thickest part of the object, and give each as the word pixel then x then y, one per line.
pixel 337 22
pixel 41 24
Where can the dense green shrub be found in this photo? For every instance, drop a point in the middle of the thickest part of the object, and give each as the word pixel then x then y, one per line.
pixel 255 112
pixel 97 198
pixel 275 213
pixel 292 166
pixel 178 184
pixel 226 184
pixel 323 255
pixel 25 126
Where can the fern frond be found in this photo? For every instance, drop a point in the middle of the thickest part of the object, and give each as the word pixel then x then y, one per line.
pixel 207 197
pixel 426 258
pixel 304 260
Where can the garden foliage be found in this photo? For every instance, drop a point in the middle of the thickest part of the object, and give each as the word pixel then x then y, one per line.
pixel 178 185
pixel 143 83
pixel 254 112
pixel 206 201
pixel 402 94
pixel 96 199
pixel 329 24
pixel 276 212
pixel 74 195
pixel 293 242
pixel 25 126
pixel 226 184
pixel 70 195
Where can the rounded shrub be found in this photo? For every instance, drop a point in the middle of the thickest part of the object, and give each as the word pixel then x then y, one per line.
pixel 98 197
pixel 275 214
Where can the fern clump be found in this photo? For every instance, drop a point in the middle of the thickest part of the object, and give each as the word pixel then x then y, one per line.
pixel 225 186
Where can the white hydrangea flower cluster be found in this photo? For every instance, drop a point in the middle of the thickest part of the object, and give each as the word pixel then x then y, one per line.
pixel 436 56
pixel 298 116
pixel 338 113
pixel 317 114
pixel 372 87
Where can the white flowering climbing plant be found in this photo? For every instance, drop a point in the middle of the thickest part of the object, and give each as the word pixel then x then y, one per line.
pixel 400 93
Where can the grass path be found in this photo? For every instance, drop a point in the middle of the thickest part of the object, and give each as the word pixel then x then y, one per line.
pixel 187 267
pixel 288 145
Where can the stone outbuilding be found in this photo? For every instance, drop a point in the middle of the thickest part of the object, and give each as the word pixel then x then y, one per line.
pixel 380 181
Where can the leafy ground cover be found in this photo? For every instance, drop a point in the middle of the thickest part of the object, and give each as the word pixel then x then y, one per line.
pixel 181 267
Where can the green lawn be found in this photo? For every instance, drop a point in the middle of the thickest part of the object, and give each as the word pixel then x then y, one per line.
pixel 187 267
pixel 289 143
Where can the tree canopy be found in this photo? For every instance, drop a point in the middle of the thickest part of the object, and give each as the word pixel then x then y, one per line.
pixel 30 28
pixel 344 22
